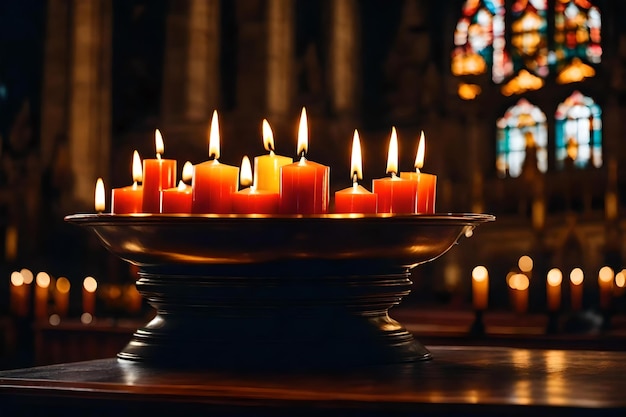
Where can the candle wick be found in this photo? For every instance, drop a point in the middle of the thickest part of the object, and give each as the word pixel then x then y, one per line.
pixel 134 185
pixel 355 178
pixel 158 155
pixel 272 152
pixel 302 159
pixel 417 170
pixel 393 174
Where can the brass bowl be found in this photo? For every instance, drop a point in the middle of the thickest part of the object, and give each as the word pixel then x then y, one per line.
pixel 288 291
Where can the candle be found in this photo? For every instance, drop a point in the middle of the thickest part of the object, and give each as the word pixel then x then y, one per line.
pixel 605 282
pixel 89 295
pixel 157 174
pixel 519 283
pixel 576 278
pixel 553 289
pixel 61 296
pixel 355 199
pixel 213 182
pixel 304 185
pixel 426 183
pixel 99 201
pixel 19 295
pixel 267 167
pixel 395 194
pixel 42 282
pixel 250 200
pixel 178 199
pixel 129 199
pixel 480 288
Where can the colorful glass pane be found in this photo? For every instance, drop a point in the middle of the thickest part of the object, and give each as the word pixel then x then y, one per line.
pixel 529 38
pixel 577 26
pixel 578 132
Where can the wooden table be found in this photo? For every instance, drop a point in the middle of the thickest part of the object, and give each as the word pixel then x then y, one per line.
pixel 464 381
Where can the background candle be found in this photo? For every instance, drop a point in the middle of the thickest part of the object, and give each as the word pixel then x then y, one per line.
pixel 213 183
pixel 62 296
pixel 90 285
pixel 19 295
pixel 42 283
pixel 250 200
pixel 480 288
pixel 157 174
pixel 520 283
pixel 553 289
pixel 304 185
pixel 426 183
pixel 129 199
pixel 605 282
pixel 178 199
pixel 395 195
pixel 355 199
pixel 267 167
pixel 576 278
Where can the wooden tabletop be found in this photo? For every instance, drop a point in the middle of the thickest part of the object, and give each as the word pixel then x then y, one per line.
pixel 465 380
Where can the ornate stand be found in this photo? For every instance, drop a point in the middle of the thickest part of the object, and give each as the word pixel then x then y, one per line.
pixel 255 292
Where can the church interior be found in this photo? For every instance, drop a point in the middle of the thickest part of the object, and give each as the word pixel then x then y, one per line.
pixel 520 103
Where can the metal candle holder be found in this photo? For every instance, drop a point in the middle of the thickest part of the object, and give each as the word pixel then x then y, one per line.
pixel 258 291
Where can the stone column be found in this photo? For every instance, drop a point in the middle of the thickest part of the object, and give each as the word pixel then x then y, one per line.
pixel 344 53
pixel 280 71
pixel 90 96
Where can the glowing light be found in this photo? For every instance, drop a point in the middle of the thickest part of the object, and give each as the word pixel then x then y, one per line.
pixel 356 160
pixel 214 137
pixel 268 136
pixel 90 284
pixel 479 273
pixel 28 275
pixel 303 134
pixel 187 171
pixel 99 199
pixel 63 285
pixel 519 282
pixel 525 263
pixel 43 280
pixel 421 148
pixel 158 143
pixel 245 174
pixel 575 72
pixel 392 153
pixel 555 277
pixel 468 91
pixel 577 276
pixel 522 82
pixel 606 274
pixel 620 279
pixel 16 279
pixel 137 170
pixel 86 318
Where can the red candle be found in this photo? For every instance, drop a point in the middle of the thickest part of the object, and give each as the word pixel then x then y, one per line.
pixel 355 199
pixel 304 185
pixel 129 199
pixel 178 199
pixel 426 183
pixel 395 195
pixel 250 200
pixel 213 183
pixel 157 174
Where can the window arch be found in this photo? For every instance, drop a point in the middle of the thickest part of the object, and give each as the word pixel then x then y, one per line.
pixel 522 140
pixel 578 136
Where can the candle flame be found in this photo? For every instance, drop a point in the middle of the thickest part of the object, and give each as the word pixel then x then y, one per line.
pixel 419 158
pixel 392 155
pixel 268 136
pixel 99 201
pixel 245 175
pixel 519 282
pixel 16 279
pixel 63 285
pixel 214 137
pixel 90 284
pixel 137 173
pixel 303 134
pixel 187 171
pixel 356 162
pixel 480 273
pixel 606 274
pixel 43 280
pixel 181 186
pixel 576 276
pixel 555 277
pixel 158 141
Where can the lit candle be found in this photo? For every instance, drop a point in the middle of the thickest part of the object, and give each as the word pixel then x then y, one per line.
pixel 519 283
pixel 576 278
pixel 620 284
pixel 480 288
pixel 178 199
pixel 213 182
pixel 395 194
pixel 19 295
pixel 553 289
pixel 267 167
pixel 99 201
pixel 355 199
pixel 426 183
pixel 89 295
pixel 62 296
pixel 304 185
pixel 605 282
pixel 157 174
pixel 250 200
pixel 129 199
pixel 42 282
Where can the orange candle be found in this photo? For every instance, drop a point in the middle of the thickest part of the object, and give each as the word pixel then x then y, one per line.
pixel 42 282
pixel 178 199
pixel 355 199
pixel 576 278
pixel 395 194
pixel 267 167
pixel 250 200
pixel 606 277
pixel 19 295
pixel 129 199
pixel 157 174
pixel 90 285
pixel 304 185
pixel 61 296
pixel 553 289
pixel 520 283
pixel 213 183
pixel 426 183
pixel 480 288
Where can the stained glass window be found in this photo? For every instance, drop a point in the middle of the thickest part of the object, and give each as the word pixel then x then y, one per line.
pixel 522 140
pixel 529 36
pixel 578 132
pixel 577 27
